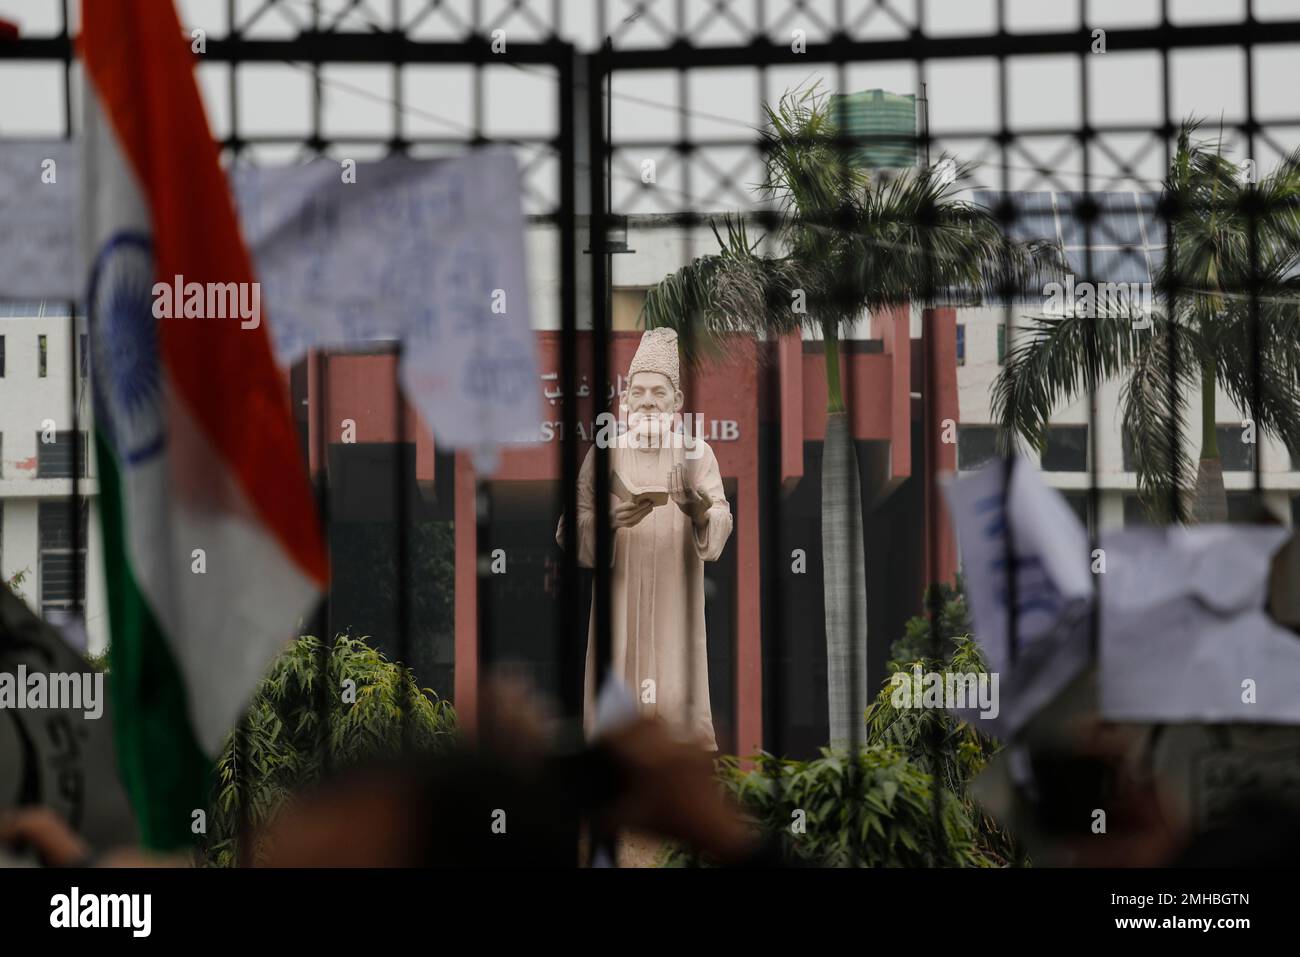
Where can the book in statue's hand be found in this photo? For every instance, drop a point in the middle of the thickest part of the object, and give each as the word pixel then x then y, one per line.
pixel 627 491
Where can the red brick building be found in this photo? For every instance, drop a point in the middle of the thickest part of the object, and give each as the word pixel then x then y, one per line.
pixel 764 416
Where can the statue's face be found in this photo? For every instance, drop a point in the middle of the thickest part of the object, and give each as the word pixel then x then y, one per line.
pixel 651 393
pixel 651 401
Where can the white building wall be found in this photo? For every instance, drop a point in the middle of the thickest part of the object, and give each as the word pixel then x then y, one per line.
pixel 28 404
pixel 974 386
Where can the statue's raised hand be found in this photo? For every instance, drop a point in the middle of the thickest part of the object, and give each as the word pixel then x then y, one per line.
pixel 694 502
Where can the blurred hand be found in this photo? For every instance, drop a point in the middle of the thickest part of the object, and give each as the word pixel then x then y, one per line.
pixel 671 790
pixel 514 721
pixel 43 831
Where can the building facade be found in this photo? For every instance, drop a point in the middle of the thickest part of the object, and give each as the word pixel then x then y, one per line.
pixel 45 449
pixel 1125 243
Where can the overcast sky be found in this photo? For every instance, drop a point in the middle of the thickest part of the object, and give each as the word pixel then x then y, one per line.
pixel 520 104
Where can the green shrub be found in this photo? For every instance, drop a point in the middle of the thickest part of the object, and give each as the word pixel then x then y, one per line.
pixel 917 641
pixel 878 811
pixel 891 822
pixel 930 736
pixel 962 750
pixel 282 748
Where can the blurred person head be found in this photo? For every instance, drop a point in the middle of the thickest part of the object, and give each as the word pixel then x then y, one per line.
pixel 509 799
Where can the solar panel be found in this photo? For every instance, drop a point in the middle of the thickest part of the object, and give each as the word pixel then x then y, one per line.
pixel 1120 219
pixel 1157 257
pixel 32 310
pixel 1115 264
pixel 1127 233
pixel 1152 221
pixel 1115 222
pixel 1035 217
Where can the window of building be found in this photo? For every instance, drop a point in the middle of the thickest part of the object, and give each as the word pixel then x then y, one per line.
pixel 1242 508
pixel 62 558
pixel 59 458
pixel 1066 449
pixel 1078 502
pixel 1002 344
pixel 1136 512
pixel 42 352
pixel 83 355
pixel 976 444
pixel 961 344
pixel 1126 449
pixel 2 357
pixel 1237 455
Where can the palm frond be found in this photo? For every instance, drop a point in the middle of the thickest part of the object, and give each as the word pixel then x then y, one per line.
pixel 1053 360
pixel 736 290
pixel 808 167
pixel 1153 420
pixel 1260 379
pixel 919 243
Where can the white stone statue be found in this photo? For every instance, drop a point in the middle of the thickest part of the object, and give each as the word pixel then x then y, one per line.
pixel 669 515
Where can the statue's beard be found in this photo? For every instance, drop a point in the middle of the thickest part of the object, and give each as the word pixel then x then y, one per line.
pixel 650 428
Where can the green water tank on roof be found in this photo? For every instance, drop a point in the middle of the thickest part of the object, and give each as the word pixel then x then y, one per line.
pixel 882 126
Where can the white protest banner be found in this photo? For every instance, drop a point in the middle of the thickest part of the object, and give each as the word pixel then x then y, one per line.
pixel 40 185
pixel 1033 527
pixel 1185 636
pixel 428 252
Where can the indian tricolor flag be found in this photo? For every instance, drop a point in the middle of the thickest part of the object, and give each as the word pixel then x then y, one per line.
pixel 212 547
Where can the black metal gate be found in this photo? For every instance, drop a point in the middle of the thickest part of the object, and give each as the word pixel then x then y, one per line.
pixel 681 39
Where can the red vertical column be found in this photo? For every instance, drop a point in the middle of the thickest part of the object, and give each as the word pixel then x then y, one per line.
pixel 898 342
pixel 893 327
pixel 749 624
pixel 315 395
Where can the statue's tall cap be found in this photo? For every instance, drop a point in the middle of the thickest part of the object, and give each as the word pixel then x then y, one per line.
pixel 657 353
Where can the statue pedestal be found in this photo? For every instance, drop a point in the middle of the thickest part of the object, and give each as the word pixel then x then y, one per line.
pixel 634 849
pixel 631 849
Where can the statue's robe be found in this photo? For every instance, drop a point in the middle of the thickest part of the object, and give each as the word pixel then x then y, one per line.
pixel 657 589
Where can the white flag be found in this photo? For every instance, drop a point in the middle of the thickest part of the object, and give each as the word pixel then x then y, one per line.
pixel 1032 529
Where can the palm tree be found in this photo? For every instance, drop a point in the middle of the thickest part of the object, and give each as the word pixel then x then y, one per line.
pixel 846 241
pixel 1227 237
